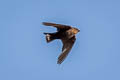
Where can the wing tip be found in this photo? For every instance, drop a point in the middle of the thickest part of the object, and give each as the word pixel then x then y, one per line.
pixel 48 23
pixel 59 62
pixel 44 23
pixel 61 59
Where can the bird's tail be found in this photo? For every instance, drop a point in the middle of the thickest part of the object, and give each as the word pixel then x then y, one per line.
pixel 49 37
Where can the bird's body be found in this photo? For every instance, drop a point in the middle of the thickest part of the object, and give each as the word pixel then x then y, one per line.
pixel 66 34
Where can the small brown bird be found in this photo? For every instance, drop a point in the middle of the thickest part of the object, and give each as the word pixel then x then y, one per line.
pixel 66 34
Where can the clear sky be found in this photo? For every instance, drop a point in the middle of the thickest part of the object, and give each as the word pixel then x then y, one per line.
pixel 25 55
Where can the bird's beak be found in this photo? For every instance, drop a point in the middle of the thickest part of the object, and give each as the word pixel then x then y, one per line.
pixel 78 30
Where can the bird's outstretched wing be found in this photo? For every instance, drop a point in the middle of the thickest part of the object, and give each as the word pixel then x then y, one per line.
pixel 58 26
pixel 67 46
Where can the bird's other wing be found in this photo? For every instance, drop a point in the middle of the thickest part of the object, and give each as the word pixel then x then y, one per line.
pixel 58 26
pixel 67 46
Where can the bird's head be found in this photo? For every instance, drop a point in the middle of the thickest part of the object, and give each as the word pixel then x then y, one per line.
pixel 75 30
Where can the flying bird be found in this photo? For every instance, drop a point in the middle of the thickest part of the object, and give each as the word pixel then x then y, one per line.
pixel 66 34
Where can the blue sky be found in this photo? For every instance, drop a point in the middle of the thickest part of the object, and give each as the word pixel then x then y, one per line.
pixel 25 55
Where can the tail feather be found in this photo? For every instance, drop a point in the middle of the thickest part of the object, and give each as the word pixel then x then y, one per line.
pixel 49 37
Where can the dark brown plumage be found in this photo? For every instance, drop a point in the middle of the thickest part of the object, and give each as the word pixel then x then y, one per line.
pixel 66 34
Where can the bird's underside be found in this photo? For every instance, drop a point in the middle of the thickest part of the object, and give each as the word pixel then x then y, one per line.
pixel 65 34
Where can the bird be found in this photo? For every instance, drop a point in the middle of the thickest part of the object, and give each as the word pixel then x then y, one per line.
pixel 66 34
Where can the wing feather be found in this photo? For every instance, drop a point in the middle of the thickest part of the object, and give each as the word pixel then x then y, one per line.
pixel 67 46
pixel 58 26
